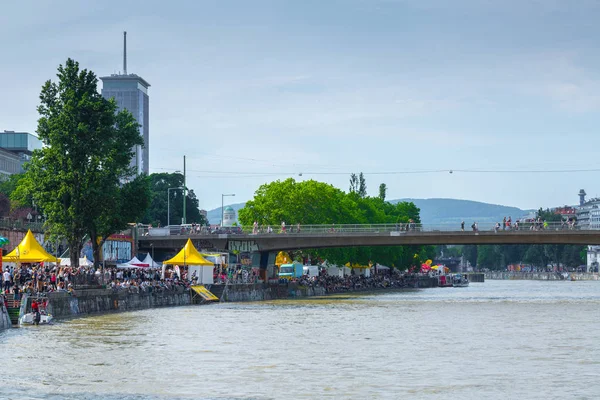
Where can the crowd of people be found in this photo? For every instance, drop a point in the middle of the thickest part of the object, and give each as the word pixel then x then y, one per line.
pixel 336 284
pixel 532 224
pixel 40 279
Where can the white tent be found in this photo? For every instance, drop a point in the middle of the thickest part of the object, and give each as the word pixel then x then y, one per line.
pixel 334 270
pixel 82 262
pixel 148 260
pixel 133 263
pixel 381 269
pixel 203 272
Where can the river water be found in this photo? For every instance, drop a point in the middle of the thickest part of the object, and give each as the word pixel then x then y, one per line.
pixel 492 340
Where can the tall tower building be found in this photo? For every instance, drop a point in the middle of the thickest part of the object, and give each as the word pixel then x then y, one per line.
pixel 582 195
pixel 131 93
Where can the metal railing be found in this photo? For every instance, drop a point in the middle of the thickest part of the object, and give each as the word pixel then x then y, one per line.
pixel 375 229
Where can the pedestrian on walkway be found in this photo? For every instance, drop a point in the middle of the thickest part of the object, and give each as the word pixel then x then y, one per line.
pixel 462 226
pixel 6 280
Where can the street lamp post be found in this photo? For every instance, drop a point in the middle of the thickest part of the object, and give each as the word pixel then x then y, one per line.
pixel 169 202
pixel 222 205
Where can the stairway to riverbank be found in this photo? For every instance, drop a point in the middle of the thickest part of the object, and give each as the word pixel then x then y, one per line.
pixel 13 307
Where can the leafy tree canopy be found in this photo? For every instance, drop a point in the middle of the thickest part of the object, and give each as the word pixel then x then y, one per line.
pixel 311 202
pixel 157 211
pixel 81 178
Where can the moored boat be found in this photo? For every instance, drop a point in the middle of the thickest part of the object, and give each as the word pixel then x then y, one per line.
pixel 35 318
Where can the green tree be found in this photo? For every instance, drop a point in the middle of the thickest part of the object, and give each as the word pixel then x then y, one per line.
pixel 353 183
pixel 548 216
pixel 157 211
pixel 362 185
pixel 470 253
pixel 382 191
pixel 312 202
pixel 81 178
pixel 8 185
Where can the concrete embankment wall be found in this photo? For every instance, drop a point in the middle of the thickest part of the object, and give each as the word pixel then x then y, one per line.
pixel 259 292
pixel 90 301
pixel 475 277
pixel 4 318
pixel 291 290
pixel 542 276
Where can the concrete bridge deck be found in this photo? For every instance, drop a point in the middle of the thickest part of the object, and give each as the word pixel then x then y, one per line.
pixel 324 236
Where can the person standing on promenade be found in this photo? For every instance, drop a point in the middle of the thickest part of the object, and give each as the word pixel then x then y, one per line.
pixel 282 226
pixel 504 224
pixel 462 226
pixel 6 279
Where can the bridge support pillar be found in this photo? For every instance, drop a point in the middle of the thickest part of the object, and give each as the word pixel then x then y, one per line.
pixel 264 263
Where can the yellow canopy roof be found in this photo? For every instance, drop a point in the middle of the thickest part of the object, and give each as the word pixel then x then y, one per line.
pixel 282 258
pixel 29 251
pixel 188 256
pixel 356 265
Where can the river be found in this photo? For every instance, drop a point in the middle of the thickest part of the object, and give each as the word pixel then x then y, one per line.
pixel 493 340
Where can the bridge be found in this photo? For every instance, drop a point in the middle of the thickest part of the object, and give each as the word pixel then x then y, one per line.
pixel 326 236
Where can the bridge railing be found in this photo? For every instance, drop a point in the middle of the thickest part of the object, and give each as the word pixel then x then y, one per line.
pixel 350 229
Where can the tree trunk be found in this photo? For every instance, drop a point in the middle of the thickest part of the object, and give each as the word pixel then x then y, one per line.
pixel 96 247
pixel 74 250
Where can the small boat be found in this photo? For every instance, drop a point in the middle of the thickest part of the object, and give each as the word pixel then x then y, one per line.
pixel 36 319
pixel 460 281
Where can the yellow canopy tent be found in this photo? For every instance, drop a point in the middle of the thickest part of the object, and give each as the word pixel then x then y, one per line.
pixel 188 256
pixel 29 251
pixel 198 266
pixel 282 258
pixel 358 266
pixel 362 269
pixel 441 268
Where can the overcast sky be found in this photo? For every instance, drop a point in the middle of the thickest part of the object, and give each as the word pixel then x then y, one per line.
pixel 253 91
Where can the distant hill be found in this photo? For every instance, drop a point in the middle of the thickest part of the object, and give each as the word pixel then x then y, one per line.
pixel 453 211
pixel 436 211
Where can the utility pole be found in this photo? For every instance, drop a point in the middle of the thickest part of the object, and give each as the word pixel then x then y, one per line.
pixel 184 192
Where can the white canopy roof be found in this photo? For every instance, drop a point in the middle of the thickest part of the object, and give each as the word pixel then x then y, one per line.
pixel 148 260
pixel 133 263
pixel 82 262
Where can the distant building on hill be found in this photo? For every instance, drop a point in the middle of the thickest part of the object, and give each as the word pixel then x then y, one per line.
pixel 229 217
pixel 566 212
pixel 588 214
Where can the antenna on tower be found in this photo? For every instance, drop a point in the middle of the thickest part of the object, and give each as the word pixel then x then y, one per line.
pixel 125 53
